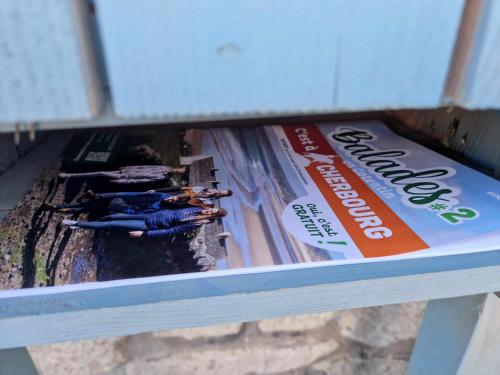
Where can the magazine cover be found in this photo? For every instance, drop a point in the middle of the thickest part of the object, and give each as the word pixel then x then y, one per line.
pixel 123 204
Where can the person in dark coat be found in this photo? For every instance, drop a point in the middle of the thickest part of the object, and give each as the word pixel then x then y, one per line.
pixel 155 224
pixel 134 174
pixel 120 202
pixel 143 202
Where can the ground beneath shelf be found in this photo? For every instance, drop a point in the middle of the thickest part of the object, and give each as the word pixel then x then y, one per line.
pixel 371 341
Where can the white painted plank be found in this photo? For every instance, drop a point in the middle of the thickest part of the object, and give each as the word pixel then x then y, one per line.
pixel 481 357
pixel 444 335
pixel 205 58
pixel 42 62
pixel 482 81
pixel 459 336
pixel 113 311
pixel 107 118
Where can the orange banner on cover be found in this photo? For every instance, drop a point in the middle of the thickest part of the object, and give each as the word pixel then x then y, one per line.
pixel 373 226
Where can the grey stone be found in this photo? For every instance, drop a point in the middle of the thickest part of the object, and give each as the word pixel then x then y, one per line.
pixel 192 333
pixel 228 359
pixel 296 323
pixel 368 341
pixel 382 325
pixel 77 358
pixel 358 366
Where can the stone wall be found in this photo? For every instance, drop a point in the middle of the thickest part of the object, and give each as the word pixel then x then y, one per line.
pixel 372 341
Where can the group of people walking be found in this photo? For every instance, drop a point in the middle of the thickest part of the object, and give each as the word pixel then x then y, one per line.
pixel 146 214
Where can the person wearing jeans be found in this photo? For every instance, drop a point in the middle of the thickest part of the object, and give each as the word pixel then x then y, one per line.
pixel 155 224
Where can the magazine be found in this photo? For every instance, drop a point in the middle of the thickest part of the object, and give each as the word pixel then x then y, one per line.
pixel 123 204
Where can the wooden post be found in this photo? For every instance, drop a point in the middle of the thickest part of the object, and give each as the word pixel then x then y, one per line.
pixel 16 361
pixel 459 336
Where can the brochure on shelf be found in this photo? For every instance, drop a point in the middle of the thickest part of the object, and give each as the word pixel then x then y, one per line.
pixel 127 204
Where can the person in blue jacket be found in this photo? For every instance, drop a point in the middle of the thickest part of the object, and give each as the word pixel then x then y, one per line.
pixel 144 202
pixel 154 224
pixel 121 202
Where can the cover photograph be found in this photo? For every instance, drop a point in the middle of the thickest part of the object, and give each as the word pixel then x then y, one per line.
pixel 125 204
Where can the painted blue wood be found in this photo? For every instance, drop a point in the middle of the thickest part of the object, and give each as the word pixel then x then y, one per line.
pixel 131 319
pixel 206 58
pixel 16 362
pixel 482 80
pixel 481 356
pixel 71 298
pixel 444 336
pixel 458 336
pixel 42 70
